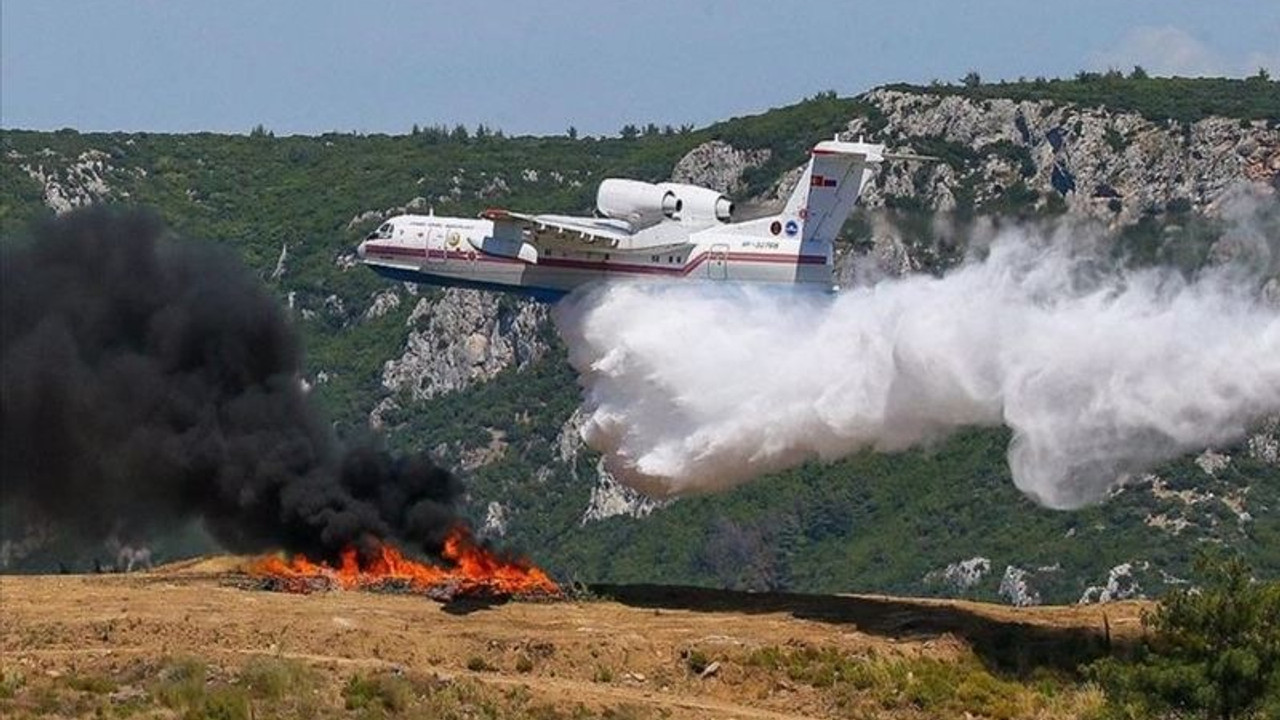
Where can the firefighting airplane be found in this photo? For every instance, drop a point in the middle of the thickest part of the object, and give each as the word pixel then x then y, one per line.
pixel 643 231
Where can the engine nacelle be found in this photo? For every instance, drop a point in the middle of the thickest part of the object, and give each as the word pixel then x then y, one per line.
pixel 701 203
pixel 639 203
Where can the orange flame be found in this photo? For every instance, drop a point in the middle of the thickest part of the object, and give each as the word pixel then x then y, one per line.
pixel 475 570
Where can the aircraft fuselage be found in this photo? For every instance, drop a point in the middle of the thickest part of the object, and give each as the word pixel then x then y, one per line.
pixel 437 250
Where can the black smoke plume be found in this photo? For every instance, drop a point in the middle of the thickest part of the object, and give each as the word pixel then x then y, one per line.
pixel 146 381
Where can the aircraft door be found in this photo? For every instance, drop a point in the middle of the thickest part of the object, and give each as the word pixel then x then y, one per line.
pixel 718 262
pixel 436 252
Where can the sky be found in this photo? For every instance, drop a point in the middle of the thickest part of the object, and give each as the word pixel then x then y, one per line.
pixel 541 66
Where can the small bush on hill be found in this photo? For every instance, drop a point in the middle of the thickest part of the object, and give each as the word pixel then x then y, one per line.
pixel 1213 652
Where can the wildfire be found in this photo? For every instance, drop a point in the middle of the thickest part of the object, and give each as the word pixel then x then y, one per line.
pixel 474 570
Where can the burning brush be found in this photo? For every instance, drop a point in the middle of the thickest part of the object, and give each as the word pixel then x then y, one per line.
pixel 157 382
pixel 475 572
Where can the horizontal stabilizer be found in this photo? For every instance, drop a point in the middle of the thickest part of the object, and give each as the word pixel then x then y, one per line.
pixel 911 157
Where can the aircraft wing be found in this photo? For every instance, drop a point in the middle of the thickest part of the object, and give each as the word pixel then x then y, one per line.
pixel 559 231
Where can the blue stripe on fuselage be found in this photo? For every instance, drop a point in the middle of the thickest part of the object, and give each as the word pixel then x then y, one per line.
pixel 546 295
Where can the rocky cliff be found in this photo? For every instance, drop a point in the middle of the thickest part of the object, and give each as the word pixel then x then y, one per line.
pixel 459 337
pixel 1112 166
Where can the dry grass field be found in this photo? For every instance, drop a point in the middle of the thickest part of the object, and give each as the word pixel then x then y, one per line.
pixel 196 640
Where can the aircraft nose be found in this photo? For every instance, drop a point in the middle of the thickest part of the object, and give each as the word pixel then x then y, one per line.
pixel 360 249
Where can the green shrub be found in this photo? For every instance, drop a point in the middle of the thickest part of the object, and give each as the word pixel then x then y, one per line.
pixel 696 660
pixel 222 702
pixel 184 686
pixel 11 680
pixel 273 678
pixel 382 691
pixel 95 684
pixel 1115 140
pixel 960 687
pixel 1213 651
pixel 181 683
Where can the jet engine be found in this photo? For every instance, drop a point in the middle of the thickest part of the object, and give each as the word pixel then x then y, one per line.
pixel 701 203
pixel 639 203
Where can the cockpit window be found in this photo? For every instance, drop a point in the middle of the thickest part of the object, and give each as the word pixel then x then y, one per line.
pixel 382 233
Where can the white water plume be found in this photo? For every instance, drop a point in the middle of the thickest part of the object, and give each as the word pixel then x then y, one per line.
pixel 1098 372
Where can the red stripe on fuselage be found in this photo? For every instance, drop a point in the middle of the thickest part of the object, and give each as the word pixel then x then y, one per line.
pixel 608 266
pixel 395 250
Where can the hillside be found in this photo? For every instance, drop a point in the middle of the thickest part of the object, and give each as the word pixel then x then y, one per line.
pixel 1183 100
pixel 482 380
pixel 192 643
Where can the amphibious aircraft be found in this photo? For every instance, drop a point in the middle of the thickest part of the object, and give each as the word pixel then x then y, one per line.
pixel 642 231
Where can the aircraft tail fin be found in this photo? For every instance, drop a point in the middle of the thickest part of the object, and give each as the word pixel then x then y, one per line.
pixel 837 173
